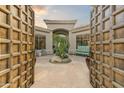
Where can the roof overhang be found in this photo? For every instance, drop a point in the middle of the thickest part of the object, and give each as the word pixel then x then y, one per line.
pixel 60 21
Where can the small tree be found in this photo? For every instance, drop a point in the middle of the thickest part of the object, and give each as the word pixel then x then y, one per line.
pixel 61 46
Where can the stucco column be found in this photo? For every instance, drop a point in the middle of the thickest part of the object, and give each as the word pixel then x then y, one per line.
pixel 72 41
pixel 49 43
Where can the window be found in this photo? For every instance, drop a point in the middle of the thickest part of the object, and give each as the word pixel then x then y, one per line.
pixel 40 42
pixel 36 42
pixel 82 40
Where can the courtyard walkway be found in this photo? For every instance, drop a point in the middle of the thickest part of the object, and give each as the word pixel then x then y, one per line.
pixel 70 75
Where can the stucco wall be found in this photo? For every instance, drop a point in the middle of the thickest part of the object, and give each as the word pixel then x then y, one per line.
pixel 48 35
pixel 73 32
pixel 72 36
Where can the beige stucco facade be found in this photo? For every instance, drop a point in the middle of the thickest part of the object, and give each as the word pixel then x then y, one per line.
pixel 63 25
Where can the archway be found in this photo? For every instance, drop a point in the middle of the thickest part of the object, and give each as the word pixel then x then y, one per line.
pixel 61 32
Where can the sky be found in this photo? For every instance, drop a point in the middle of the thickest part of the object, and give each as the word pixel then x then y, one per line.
pixel 62 12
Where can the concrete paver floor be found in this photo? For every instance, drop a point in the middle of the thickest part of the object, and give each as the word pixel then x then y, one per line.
pixel 70 75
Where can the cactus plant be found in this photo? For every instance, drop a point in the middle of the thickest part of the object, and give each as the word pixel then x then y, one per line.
pixel 61 46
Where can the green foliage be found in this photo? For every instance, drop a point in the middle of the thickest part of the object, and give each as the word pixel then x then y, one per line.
pixel 61 46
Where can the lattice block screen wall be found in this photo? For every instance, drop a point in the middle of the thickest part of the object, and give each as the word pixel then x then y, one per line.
pixel 16 46
pixel 107 46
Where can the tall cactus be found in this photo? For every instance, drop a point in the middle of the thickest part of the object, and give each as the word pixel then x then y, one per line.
pixel 61 46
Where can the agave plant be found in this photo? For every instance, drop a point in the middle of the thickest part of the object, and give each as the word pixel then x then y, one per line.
pixel 61 46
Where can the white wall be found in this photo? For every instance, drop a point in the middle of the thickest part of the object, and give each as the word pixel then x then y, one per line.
pixel 72 41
